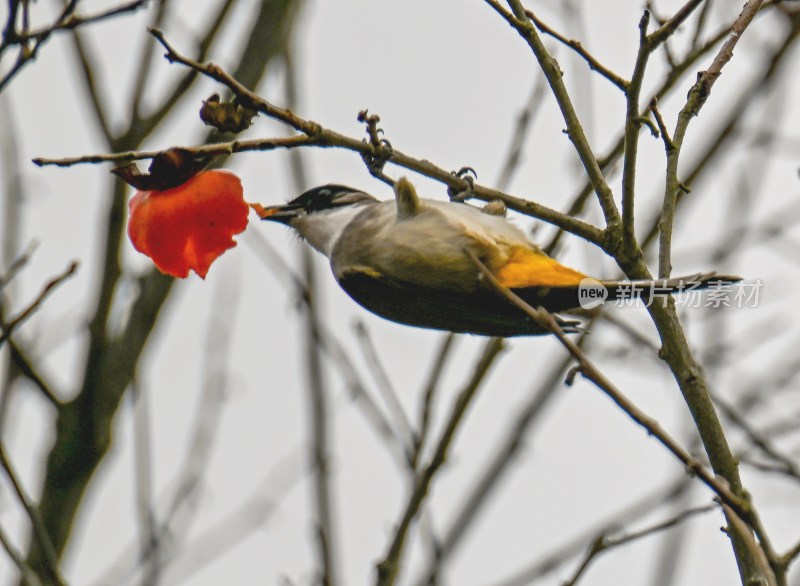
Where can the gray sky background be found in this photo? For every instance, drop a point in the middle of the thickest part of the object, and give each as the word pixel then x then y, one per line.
pixel 448 79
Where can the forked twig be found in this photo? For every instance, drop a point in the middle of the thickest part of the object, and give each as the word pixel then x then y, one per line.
pixel 592 373
pixel 9 327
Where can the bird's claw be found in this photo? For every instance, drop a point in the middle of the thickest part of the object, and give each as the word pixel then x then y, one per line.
pixel 469 175
pixel 381 152
pixel 376 160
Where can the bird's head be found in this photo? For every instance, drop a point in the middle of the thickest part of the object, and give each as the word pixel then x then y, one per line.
pixel 320 214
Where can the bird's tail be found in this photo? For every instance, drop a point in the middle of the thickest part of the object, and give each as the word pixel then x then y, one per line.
pixel 647 291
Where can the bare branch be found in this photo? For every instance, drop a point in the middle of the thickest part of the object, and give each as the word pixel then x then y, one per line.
pixel 26 573
pixel 389 566
pixel 521 130
pixel 603 543
pixel 27 369
pixel 710 76
pixel 695 101
pixel 520 21
pixel 439 362
pixel 319 429
pixel 791 555
pixel 30 42
pixel 9 327
pixel 149 539
pixel 402 424
pixel 337 353
pixel 785 463
pixel 316 135
pixel 590 372
pixel 498 467
pixel 591 60
pixel 668 28
pixel 642 507
pixel 38 528
pixel 15 267
pixel 70 21
pixel 205 150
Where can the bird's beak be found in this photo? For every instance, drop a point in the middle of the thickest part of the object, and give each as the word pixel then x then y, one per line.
pixel 281 213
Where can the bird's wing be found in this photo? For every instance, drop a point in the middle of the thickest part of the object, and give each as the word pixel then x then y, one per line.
pixel 481 312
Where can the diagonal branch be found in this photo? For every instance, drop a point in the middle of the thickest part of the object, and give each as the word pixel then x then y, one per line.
pixel 8 328
pixel 389 566
pixel 603 543
pixel 589 371
pixel 521 22
pixel 26 573
pixel 39 529
pixel 577 46
pixel 30 42
pixel 696 100
pixel 317 135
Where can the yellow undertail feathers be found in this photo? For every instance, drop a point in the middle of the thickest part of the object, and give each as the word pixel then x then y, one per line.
pixel 529 268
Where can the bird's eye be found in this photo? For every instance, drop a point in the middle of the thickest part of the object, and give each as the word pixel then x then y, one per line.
pixel 320 201
pixel 323 198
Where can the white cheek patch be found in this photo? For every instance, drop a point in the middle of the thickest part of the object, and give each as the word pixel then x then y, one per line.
pixel 323 229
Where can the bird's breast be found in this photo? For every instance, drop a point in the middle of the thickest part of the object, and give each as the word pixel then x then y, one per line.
pixel 426 250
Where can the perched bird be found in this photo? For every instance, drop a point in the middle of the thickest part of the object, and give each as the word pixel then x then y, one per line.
pixel 407 260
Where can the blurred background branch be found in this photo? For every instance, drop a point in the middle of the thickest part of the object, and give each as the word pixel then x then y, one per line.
pixel 447 474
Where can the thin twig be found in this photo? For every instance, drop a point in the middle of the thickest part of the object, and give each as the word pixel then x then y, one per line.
pixel 213 542
pixel 731 128
pixel 426 411
pixel 30 42
pixel 319 426
pixel 498 467
pixel 316 135
pixel 246 518
pixel 181 505
pixel 402 423
pixel 647 45
pixel 668 28
pixel 72 21
pixel 592 373
pixel 38 528
pixel 182 85
pixel 16 266
pixel 604 544
pixel 89 76
pixel 558 556
pixel 27 575
pixel 389 566
pixel 695 101
pixel 27 369
pixel 791 555
pixel 336 352
pixel 700 24
pixel 631 134
pixel 521 22
pixel 149 538
pixel 317 388
pixel 787 465
pixel 9 327
pixel 610 161
pixel 204 150
pixel 709 77
pixel 521 129
pixel 662 127
pixel 591 60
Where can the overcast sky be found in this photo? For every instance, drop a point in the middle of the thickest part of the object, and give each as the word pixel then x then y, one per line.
pixel 448 79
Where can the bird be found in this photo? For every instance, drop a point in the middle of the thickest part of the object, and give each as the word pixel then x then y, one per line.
pixel 417 261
